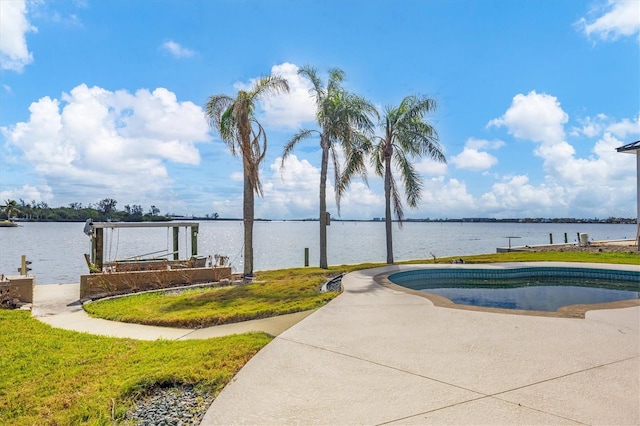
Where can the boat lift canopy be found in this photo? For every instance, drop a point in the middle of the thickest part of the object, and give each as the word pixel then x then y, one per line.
pixel 96 231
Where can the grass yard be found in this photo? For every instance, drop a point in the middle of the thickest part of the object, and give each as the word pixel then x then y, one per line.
pixel 275 293
pixel 551 256
pixel 50 376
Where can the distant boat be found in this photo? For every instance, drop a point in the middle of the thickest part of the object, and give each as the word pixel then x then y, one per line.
pixel 7 224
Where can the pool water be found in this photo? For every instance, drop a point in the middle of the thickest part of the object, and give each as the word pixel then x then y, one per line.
pixel 538 292
pixel 528 294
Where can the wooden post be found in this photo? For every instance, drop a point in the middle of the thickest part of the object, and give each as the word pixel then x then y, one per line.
pixel 194 240
pixel 24 265
pixel 550 238
pixel 93 248
pixel 566 240
pixel 306 256
pixel 99 244
pixel 176 233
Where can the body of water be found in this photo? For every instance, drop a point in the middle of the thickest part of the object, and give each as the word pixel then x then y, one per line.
pixel 57 249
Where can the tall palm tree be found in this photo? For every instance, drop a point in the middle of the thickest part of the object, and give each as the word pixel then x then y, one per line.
pixel 235 120
pixel 407 135
pixel 344 121
pixel 11 208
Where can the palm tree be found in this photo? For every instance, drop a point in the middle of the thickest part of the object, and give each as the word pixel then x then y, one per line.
pixel 343 120
pixel 234 119
pixel 406 136
pixel 11 208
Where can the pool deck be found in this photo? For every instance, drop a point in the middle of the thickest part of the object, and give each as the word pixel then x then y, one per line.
pixel 378 355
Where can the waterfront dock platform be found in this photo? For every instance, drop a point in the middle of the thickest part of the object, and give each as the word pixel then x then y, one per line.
pixel 377 355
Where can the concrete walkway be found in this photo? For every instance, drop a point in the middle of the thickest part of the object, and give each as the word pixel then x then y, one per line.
pixel 58 306
pixel 378 356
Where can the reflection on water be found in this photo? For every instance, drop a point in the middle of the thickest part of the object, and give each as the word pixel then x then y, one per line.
pixel 56 249
pixel 535 297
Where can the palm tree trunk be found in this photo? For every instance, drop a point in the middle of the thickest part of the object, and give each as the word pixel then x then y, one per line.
pixel 387 209
pixel 323 205
pixel 248 228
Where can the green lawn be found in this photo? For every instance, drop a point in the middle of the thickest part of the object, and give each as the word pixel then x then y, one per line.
pixel 275 293
pixel 550 256
pixel 50 376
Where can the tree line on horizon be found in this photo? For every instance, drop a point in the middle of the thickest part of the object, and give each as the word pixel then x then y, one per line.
pixel 345 123
pixel 103 210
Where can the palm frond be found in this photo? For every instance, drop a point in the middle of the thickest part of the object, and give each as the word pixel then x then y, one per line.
pixel 214 107
pixel 410 177
pixel 396 200
pixel 337 175
pixel 377 157
pixel 299 136
pixel 234 119
pixel 268 85
pixel 355 162
pixel 317 91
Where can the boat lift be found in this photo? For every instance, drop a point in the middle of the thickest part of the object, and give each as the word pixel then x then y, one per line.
pixel 96 231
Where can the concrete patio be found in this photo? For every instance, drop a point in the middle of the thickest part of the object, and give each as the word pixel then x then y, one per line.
pixel 379 356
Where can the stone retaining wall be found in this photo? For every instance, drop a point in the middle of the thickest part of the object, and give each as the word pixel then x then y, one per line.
pixel 20 287
pixel 109 284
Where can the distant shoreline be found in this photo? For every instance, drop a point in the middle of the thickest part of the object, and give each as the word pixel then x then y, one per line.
pixel 623 221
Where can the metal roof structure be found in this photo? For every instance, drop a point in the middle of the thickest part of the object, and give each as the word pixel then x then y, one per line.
pixel 630 147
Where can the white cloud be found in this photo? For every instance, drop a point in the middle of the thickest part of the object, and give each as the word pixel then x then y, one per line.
pixel 537 117
pixel 595 126
pixel 429 167
pixel 484 144
pixel 625 127
pixel 108 143
pixel 619 18
pixel 442 198
pixel 472 158
pixel 177 50
pixel 292 191
pixel 287 110
pixel 584 187
pixel 514 196
pixel 14 26
pixel 28 193
pixel 590 126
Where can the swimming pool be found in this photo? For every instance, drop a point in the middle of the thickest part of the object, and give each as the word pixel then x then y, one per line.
pixel 529 288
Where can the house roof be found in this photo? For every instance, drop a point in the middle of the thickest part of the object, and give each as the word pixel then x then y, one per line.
pixel 630 147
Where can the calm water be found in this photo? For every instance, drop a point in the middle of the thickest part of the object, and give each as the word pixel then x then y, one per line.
pixel 549 295
pixel 56 249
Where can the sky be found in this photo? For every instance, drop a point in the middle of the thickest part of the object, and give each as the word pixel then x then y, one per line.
pixel 105 99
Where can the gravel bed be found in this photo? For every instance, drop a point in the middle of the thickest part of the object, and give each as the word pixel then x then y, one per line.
pixel 171 406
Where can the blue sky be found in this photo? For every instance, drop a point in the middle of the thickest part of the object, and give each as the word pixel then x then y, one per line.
pixel 105 100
